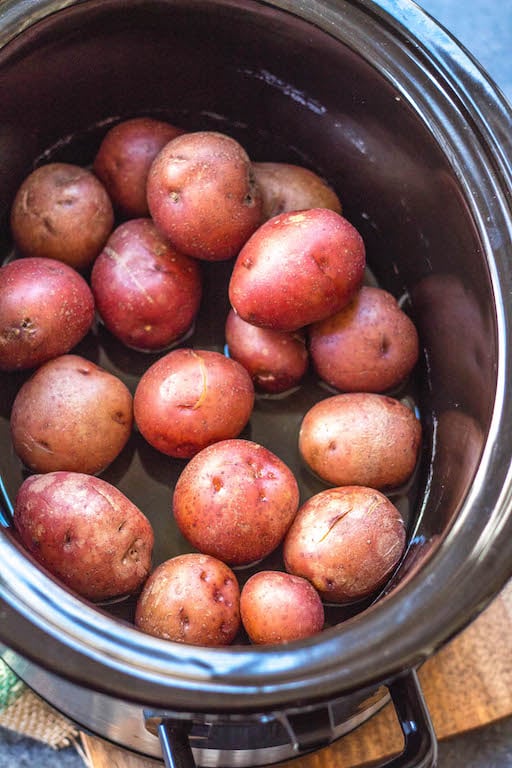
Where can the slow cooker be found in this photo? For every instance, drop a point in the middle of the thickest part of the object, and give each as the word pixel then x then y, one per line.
pixel 384 104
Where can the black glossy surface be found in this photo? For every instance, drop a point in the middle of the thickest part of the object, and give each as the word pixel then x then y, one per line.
pixel 396 185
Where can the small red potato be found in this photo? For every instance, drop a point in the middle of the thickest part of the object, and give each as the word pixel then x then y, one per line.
pixel 278 608
pixel 201 193
pixel 235 500
pixel 346 542
pixel 193 599
pixel 297 269
pixel 286 187
pixel 71 415
pixel 146 293
pixel 371 345
pixel 275 360
pixel 191 398
pixel 361 439
pixel 46 308
pixel 62 211
pixel 85 532
pixel 124 158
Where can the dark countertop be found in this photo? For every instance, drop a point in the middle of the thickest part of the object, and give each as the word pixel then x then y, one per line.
pixel 484 27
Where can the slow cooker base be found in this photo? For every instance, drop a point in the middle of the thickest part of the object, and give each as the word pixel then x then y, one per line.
pixel 230 741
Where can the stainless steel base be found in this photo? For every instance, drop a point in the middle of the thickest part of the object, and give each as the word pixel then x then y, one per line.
pixel 229 740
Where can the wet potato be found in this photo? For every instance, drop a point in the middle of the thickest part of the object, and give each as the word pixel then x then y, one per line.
pixel 62 211
pixel 297 268
pixel 361 439
pixel 279 607
pixel 371 345
pixel 346 542
pixel 192 598
pixel 288 187
pixel 86 533
pixel 275 360
pixel 46 308
pixel 124 158
pixel 201 193
pixel 190 398
pixel 147 293
pixel 71 415
pixel 235 500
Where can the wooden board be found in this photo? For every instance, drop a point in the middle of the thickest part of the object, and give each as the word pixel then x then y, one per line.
pixel 467 684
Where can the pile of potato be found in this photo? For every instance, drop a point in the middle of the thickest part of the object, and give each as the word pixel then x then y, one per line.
pixel 124 242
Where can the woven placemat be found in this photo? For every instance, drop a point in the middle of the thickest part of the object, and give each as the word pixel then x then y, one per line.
pixel 22 711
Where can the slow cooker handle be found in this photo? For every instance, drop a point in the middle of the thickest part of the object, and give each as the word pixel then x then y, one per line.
pixel 420 743
pixel 174 741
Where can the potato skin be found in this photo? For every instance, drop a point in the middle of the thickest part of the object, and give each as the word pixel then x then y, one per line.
pixel 146 292
pixel 297 269
pixel 235 500
pixel 361 439
pixel 279 607
pixel 371 345
pixel 86 532
pixel 191 398
pixel 124 158
pixel 193 599
pixel 275 360
pixel 346 542
pixel 71 415
pixel 62 211
pixel 202 195
pixel 46 308
pixel 287 187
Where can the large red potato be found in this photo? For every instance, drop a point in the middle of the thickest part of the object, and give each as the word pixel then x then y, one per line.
pixel 235 500
pixel 191 398
pixel 361 439
pixel 85 532
pixel 275 360
pixel 146 293
pixel 279 607
pixel 46 308
pixel 71 415
pixel 201 193
pixel 124 158
pixel 346 542
pixel 371 345
pixel 286 187
pixel 62 211
pixel 297 268
pixel 193 599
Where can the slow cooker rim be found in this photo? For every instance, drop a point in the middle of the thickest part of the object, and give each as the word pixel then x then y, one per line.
pixel 254 681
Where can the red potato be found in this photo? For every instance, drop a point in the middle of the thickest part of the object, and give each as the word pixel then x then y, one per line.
pixel 361 439
pixel 275 360
pixel 124 158
pixel 297 269
pixel 46 308
pixel 71 415
pixel 146 293
pixel 85 532
pixel 201 193
pixel 286 187
pixel 278 608
pixel 235 500
pixel 193 599
pixel 346 542
pixel 371 345
pixel 191 398
pixel 62 211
